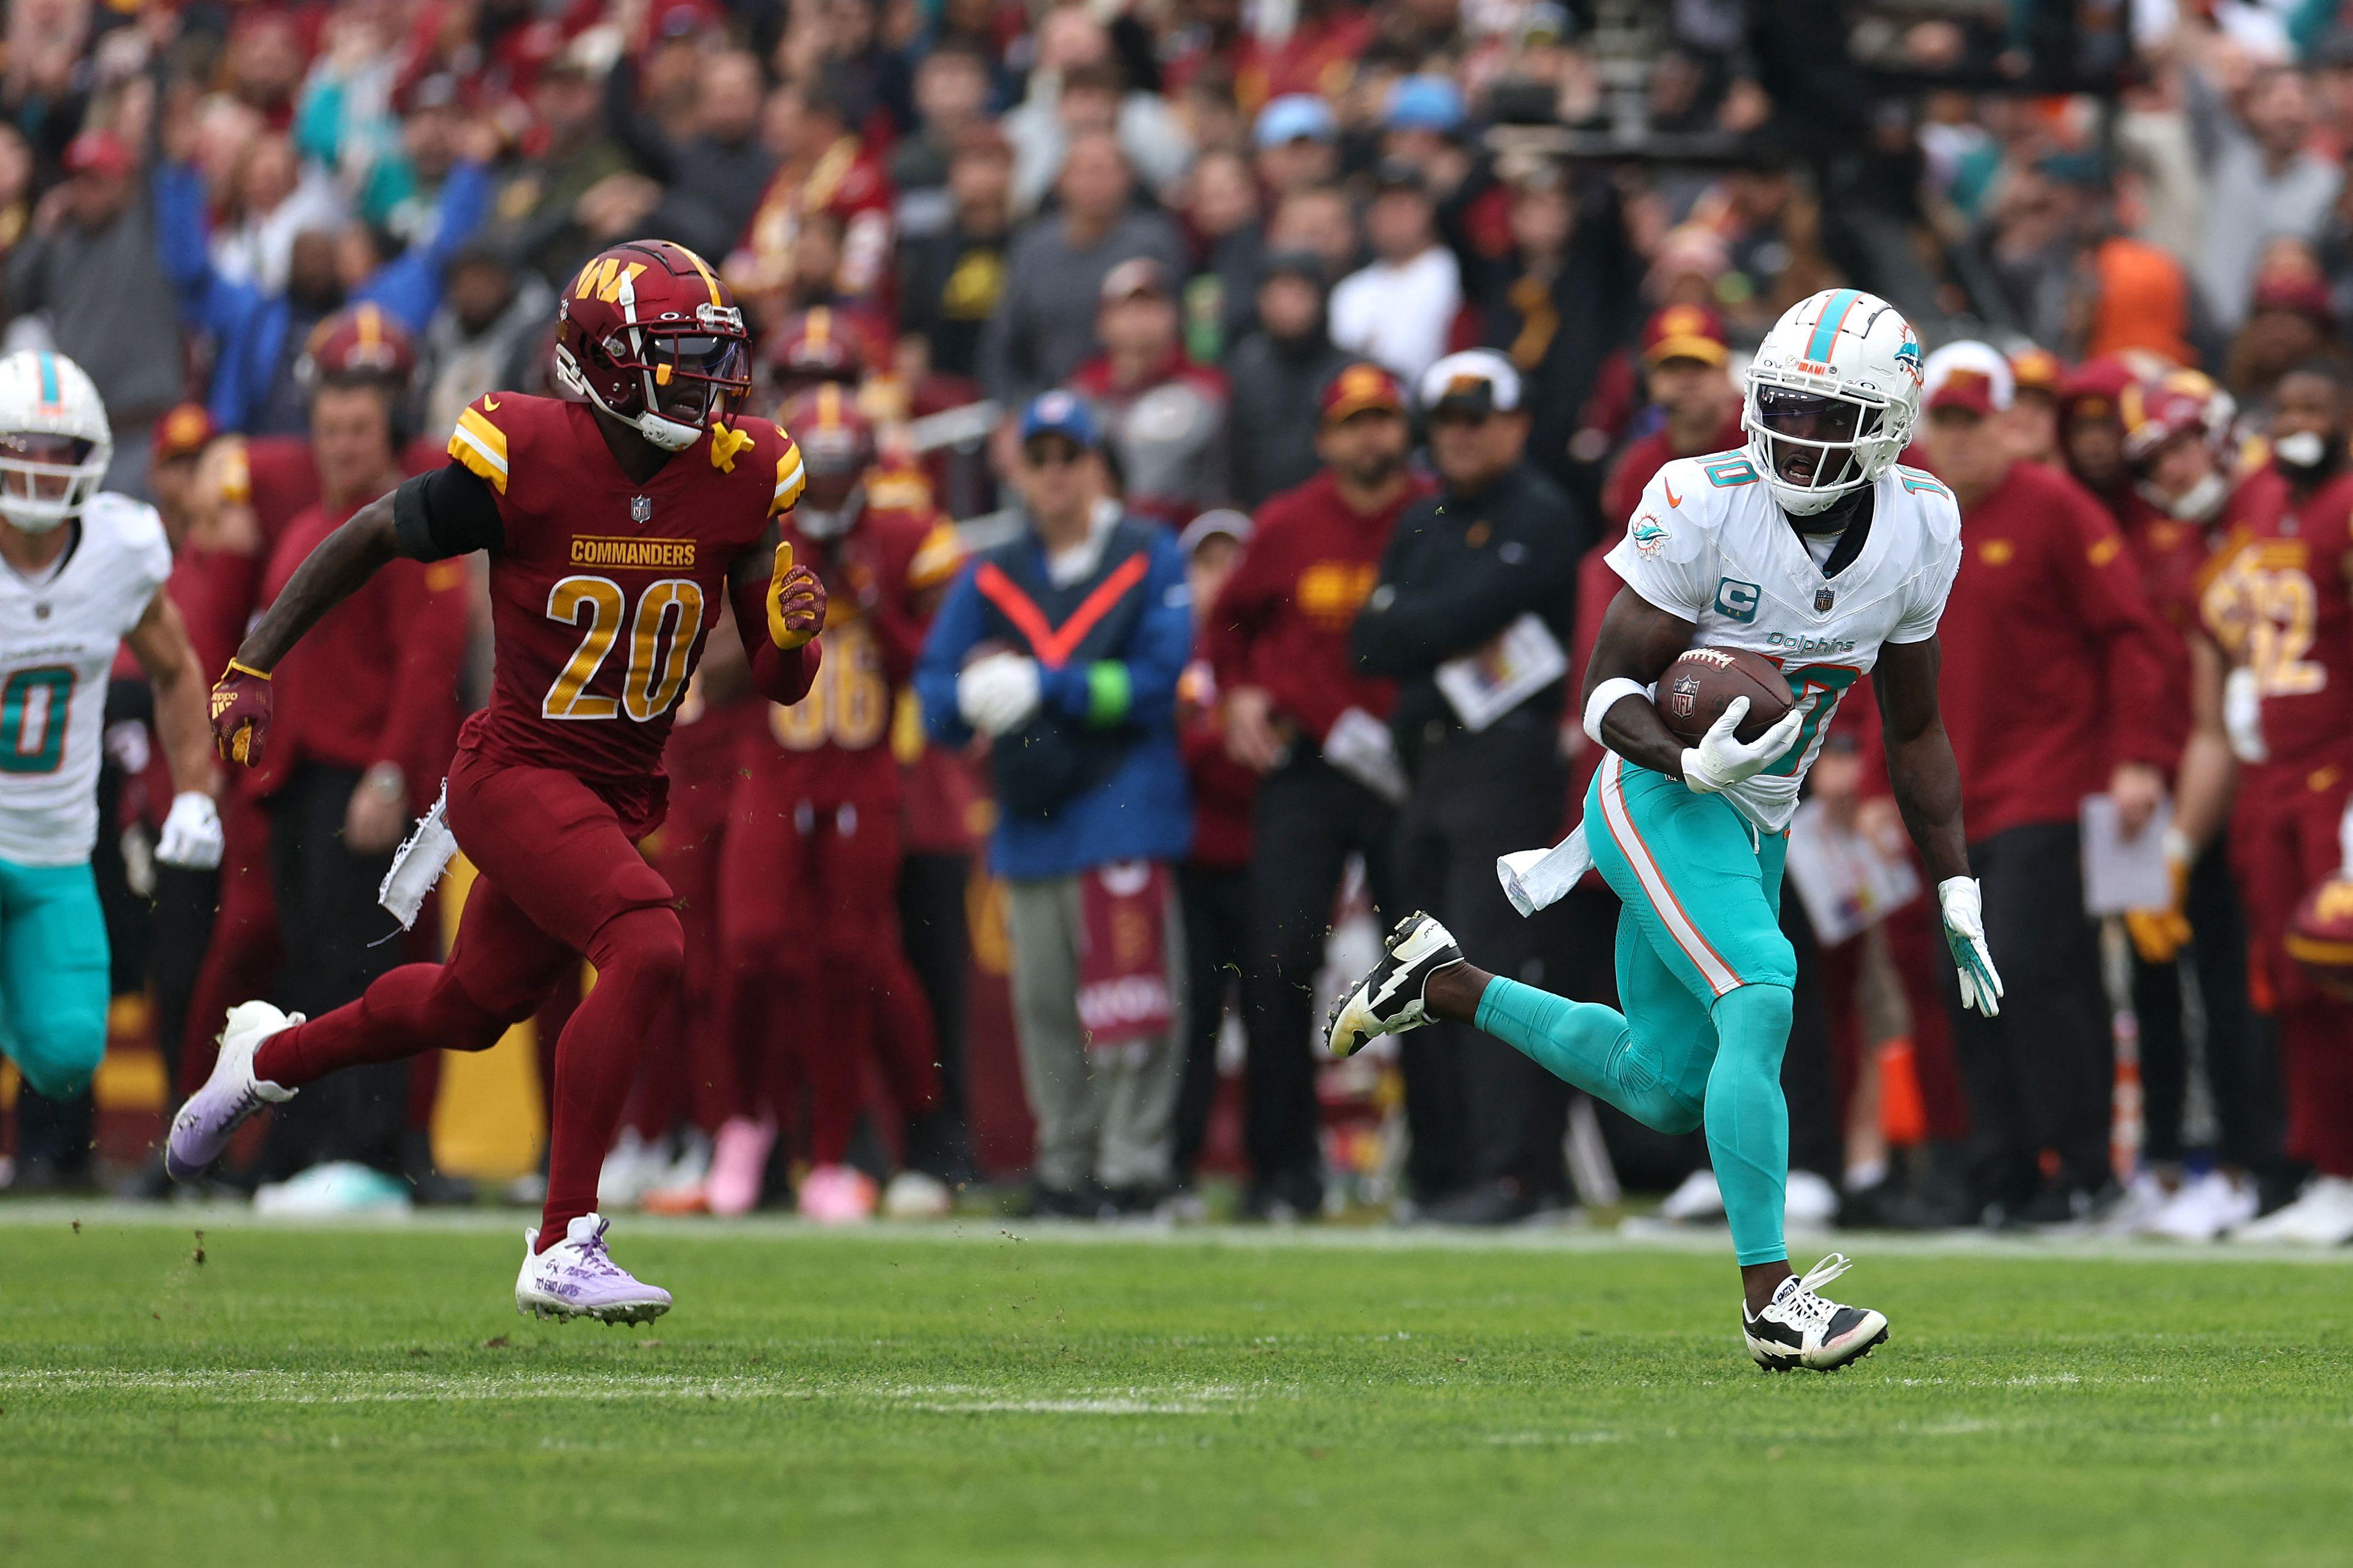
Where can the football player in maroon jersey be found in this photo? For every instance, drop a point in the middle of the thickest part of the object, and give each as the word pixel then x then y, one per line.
pixel 813 840
pixel 615 521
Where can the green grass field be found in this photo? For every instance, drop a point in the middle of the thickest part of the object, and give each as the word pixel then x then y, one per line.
pixel 960 1397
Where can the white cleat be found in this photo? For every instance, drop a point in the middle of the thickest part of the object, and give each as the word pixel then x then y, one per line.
pixel 2321 1217
pixel 577 1278
pixel 1799 1326
pixel 2205 1207
pixel 1696 1201
pixel 1387 1000
pixel 205 1124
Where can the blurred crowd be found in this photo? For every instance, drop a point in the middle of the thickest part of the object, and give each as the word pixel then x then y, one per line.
pixel 1124 339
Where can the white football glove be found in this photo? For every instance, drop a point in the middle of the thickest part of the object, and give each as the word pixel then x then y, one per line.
pixel 192 833
pixel 996 694
pixel 1965 934
pixel 1720 761
pixel 2242 715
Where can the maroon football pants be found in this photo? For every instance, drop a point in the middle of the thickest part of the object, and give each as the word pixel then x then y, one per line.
pixel 560 878
pixel 814 965
pixel 2282 842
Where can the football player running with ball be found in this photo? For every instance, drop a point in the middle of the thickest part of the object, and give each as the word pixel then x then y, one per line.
pixel 1810 545
pixel 616 524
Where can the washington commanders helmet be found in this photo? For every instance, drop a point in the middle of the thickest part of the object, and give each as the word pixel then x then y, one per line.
pixel 648 334
pixel 2321 937
pixel 360 341
pixel 836 445
pixel 815 346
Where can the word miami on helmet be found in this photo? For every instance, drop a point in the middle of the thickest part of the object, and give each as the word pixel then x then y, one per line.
pixel 648 334
pixel 55 440
pixel 1830 399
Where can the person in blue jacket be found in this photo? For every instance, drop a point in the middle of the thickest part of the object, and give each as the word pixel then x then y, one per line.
pixel 1063 647
pixel 258 334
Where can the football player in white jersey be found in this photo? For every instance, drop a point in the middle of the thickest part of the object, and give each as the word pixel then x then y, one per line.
pixel 81 573
pixel 1811 545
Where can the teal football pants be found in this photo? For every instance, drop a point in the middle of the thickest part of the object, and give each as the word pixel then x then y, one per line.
pixel 1705 976
pixel 53 975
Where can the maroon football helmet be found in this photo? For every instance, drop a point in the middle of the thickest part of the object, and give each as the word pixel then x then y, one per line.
pixel 647 333
pixel 812 347
pixel 836 447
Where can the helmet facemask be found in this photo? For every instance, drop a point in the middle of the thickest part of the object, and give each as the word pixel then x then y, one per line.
pixel 47 477
pixel 1816 443
pixel 687 376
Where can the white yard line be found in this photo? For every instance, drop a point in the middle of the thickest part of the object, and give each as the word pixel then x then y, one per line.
pixel 1572 1237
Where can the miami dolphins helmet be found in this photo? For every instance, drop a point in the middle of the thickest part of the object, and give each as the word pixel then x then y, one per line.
pixel 1830 398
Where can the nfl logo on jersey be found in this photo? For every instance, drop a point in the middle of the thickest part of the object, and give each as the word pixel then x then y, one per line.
pixel 1823 599
pixel 642 509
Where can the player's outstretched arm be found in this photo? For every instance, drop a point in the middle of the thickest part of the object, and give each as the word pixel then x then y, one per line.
pixel 1928 785
pixel 330 573
pixel 1637 642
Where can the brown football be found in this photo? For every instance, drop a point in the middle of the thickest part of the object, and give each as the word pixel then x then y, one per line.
pixel 2320 937
pixel 1698 686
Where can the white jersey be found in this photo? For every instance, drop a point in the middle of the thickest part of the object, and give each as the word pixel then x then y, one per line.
pixel 58 635
pixel 1709 544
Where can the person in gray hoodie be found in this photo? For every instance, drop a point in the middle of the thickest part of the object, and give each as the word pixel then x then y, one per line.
pixel 1045 326
pixel 1276 378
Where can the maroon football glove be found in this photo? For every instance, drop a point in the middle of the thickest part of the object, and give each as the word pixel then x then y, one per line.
pixel 240 713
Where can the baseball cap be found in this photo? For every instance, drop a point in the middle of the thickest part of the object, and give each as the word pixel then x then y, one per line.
pixel 1360 388
pixel 2093 389
pixel 1425 104
pixel 98 153
pixel 1222 523
pixel 1476 381
pixel 1294 117
pixel 2037 369
pixel 1685 331
pixel 1136 275
pixel 183 432
pixel 1967 376
pixel 1063 414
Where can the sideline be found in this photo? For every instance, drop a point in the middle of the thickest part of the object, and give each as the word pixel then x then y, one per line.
pixel 1635 1235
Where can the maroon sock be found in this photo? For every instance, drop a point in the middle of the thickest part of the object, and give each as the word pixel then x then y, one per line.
pixel 411 1009
pixel 639 956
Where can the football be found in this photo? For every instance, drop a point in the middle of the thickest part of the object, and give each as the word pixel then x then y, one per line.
pixel 1698 686
pixel 2320 937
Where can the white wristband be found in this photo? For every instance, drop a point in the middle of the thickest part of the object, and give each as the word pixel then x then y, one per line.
pixel 1605 697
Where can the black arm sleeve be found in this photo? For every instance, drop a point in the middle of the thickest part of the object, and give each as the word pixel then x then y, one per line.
pixel 448 512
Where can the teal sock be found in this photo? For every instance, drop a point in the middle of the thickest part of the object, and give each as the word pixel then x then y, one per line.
pixel 1747 1121
pixel 1588 1045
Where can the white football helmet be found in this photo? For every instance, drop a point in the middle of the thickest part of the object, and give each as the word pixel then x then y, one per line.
pixel 1838 380
pixel 55 442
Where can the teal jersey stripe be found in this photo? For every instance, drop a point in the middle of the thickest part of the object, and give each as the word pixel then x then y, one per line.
pixel 1818 347
pixel 49 379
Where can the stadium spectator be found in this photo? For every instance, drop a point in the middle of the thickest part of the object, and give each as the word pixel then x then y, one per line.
pixel 1483 568
pixel 2054 667
pixel 488 331
pixel 1277 375
pixel 697 184
pixel 370 715
pixel 1297 714
pixel 1399 310
pixel 92 269
pixel 1078 89
pixel 1163 417
pixel 1213 884
pixel 2261 179
pixel 1044 327
pixel 1092 809
pixel 1298 144
pixel 952 279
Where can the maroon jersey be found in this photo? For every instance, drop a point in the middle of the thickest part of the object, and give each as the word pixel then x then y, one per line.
pixel 834 746
pixel 603 589
pixel 2275 598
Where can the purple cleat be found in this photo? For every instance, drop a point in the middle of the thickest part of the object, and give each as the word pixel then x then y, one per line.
pixel 577 1278
pixel 201 1129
